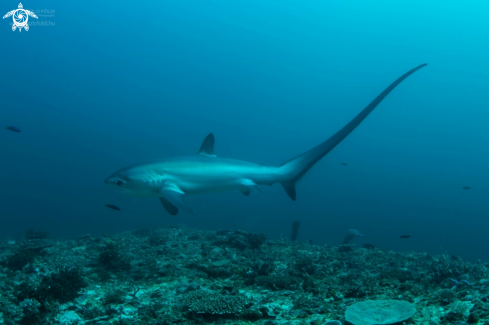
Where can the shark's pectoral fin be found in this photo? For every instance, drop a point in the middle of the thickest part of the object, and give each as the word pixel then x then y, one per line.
pixel 173 210
pixel 207 147
pixel 246 191
pixel 177 199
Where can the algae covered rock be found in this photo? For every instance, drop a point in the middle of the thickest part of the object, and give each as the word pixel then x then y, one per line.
pixel 372 312
pixel 277 282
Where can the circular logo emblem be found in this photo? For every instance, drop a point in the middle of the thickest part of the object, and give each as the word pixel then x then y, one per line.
pixel 20 18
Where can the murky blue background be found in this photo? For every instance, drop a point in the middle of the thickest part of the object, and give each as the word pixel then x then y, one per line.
pixel 109 84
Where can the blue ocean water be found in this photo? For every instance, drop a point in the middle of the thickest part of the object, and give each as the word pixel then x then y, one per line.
pixel 102 85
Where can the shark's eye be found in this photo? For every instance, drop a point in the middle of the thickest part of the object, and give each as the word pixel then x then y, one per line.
pixel 119 182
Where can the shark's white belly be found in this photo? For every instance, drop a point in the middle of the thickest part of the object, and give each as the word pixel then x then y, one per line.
pixel 210 183
pixel 213 185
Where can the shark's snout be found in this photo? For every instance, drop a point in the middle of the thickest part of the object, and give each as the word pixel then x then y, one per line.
pixel 109 181
pixel 113 181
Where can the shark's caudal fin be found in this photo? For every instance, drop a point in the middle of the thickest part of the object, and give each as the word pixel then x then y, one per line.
pixel 296 168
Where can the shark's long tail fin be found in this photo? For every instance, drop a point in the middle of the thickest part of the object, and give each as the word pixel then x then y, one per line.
pixel 296 168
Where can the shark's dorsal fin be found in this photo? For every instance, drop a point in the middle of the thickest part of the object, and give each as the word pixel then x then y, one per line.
pixel 207 147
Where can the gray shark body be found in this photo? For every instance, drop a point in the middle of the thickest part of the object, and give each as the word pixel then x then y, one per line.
pixel 172 179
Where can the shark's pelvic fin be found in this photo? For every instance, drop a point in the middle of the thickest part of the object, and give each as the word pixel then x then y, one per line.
pixel 296 168
pixel 249 184
pixel 207 147
pixel 173 210
pixel 246 191
pixel 176 198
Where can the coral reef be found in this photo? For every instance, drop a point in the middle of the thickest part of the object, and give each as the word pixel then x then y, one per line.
pixel 207 302
pixel 178 275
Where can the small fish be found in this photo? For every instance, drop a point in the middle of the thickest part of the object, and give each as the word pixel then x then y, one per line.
pixel 111 206
pixel 466 187
pixel 344 163
pixel 405 236
pixel 13 129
